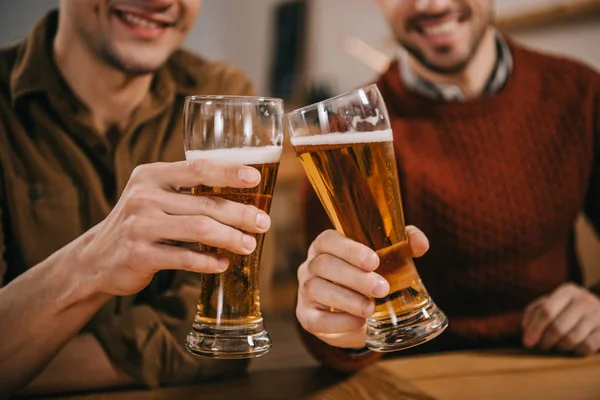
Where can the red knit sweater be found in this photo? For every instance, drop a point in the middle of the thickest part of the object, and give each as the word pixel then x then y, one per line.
pixel 496 184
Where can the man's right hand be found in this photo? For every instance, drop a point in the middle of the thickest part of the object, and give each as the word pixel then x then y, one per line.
pixel 135 241
pixel 337 284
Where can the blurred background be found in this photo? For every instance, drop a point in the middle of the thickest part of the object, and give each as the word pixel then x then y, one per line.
pixel 307 50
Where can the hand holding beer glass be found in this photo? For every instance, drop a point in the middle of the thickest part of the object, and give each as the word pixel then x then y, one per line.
pixel 238 130
pixel 345 145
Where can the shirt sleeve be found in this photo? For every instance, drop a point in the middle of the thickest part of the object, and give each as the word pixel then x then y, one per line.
pixel 337 358
pixel 592 201
pixel 146 339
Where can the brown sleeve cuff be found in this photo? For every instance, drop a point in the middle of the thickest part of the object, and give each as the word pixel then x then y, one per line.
pixel 337 358
pixel 138 343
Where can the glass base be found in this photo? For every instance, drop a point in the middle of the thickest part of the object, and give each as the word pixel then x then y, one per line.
pixel 406 331
pixel 228 343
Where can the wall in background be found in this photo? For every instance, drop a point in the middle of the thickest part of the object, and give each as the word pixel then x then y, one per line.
pixel 333 20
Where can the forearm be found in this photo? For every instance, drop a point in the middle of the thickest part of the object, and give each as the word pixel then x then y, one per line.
pixel 81 365
pixel 40 312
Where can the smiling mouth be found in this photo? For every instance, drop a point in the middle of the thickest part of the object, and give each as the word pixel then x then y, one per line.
pixel 432 26
pixel 139 21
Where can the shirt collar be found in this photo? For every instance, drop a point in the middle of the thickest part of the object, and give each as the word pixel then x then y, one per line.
pixel 35 70
pixel 498 79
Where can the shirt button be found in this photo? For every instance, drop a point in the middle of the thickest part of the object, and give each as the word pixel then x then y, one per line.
pixel 36 192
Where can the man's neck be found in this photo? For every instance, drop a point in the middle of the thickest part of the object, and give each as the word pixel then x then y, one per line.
pixel 110 94
pixel 474 77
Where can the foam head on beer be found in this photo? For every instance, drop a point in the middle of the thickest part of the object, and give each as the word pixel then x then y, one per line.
pixel 238 155
pixel 337 138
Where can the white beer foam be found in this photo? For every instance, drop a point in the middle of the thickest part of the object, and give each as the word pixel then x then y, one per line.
pixel 238 155
pixel 344 138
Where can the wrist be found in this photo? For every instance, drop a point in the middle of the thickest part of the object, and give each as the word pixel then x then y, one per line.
pixel 81 281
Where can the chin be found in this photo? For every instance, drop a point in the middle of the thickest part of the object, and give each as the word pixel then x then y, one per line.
pixel 133 61
pixel 136 66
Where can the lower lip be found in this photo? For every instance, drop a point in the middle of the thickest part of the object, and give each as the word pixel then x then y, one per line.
pixel 444 39
pixel 140 31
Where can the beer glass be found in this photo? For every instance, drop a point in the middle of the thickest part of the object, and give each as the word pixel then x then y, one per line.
pixel 345 145
pixel 241 130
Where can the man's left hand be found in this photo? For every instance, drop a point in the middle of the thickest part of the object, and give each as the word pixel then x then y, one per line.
pixel 567 320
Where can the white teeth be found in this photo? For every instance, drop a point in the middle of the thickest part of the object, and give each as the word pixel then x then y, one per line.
pixel 441 29
pixel 141 22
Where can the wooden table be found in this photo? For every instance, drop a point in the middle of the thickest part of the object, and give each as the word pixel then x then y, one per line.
pixel 481 375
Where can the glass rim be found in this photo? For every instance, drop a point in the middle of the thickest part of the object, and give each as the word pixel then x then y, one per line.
pixel 330 100
pixel 231 98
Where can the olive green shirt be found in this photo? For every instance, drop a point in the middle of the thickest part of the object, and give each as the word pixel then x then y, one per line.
pixel 59 177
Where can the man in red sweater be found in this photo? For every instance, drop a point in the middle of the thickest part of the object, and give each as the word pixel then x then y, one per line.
pixel 498 152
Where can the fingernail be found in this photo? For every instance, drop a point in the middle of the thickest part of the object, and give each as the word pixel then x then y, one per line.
pixel 381 287
pixel 249 175
pixel 223 264
pixel 249 243
pixel 369 260
pixel 263 221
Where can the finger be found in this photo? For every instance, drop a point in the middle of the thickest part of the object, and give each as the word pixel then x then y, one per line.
pixel 186 174
pixel 529 311
pixel 577 335
pixel 245 217
pixel 166 257
pixel 562 325
pixel 543 315
pixel 419 244
pixel 207 231
pixel 338 245
pixel 590 345
pixel 318 321
pixel 318 290
pixel 343 274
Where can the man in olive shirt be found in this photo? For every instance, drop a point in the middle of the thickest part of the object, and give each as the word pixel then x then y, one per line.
pixel 95 91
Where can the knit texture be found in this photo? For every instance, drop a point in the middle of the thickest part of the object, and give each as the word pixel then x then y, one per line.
pixel 496 184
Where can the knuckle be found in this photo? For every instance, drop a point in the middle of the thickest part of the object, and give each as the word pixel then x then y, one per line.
pixel 207 203
pixel 301 273
pixel 317 266
pixel 197 166
pixel 310 288
pixel 323 239
pixel 366 307
pixel 188 260
pixel 308 323
pixel 545 311
pixel 136 254
pixel 557 329
pixel 567 287
pixel 200 226
pixel 138 200
pixel 141 173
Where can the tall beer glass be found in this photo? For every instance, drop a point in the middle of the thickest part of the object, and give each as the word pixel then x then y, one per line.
pixel 345 145
pixel 241 130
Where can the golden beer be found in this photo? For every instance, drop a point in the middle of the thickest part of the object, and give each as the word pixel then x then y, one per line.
pixel 355 177
pixel 229 304
pixel 357 184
